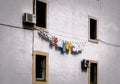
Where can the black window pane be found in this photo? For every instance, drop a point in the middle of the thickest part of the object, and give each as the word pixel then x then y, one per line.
pixel 40 67
pixel 93 73
pixel 41 14
pixel 93 30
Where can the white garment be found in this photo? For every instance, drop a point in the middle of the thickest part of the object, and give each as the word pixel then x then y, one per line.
pixel 80 47
pixel 59 43
pixel 74 47
pixel 77 47
pixel 49 37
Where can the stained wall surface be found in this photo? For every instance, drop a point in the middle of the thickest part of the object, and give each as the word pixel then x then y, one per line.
pixel 67 20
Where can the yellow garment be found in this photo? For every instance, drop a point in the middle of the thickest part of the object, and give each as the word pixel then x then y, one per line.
pixel 68 46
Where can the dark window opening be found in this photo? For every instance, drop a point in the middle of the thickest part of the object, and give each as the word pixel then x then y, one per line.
pixel 93 73
pixel 93 29
pixel 41 14
pixel 40 67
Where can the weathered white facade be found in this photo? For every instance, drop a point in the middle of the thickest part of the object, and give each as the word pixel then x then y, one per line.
pixel 67 19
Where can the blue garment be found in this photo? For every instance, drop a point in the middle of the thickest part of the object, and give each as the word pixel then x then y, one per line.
pixel 63 47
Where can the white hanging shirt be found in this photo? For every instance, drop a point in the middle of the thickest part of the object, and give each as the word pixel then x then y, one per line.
pixel 59 43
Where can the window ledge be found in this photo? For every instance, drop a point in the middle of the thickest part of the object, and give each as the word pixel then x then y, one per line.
pixel 44 80
pixel 94 41
pixel 38 28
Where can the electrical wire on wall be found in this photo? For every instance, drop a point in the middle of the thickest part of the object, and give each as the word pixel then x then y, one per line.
pixel 33 41
pixel 12 26
pixel 110 44
pixel 102 41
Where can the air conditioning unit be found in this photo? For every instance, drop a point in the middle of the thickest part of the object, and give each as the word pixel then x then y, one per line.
pixel 85 63
pixel 29 18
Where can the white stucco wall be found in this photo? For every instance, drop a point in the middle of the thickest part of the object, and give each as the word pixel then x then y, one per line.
pixel 69 16
pixel 15 44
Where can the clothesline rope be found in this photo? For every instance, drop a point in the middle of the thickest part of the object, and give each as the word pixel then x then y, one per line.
pixel 100 40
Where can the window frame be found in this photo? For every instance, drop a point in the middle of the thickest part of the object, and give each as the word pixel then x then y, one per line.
pixel 89 39
pixel 34 80
pixel 96 62
pixel 34 12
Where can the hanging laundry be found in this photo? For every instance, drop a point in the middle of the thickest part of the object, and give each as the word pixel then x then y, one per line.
pixel 74 49
pixel 59 43
pixel 52 42
pixel 63 47
pixel 50 37
pixel 45 34
pixel 41 32
pixel 55 40
pixel 68 46
pixel 80 47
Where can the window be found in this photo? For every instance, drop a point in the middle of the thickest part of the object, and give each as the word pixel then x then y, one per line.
pixel 93 73
pixel 93 26
pixel 40 10
pixel 40 67
pixel 92 29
